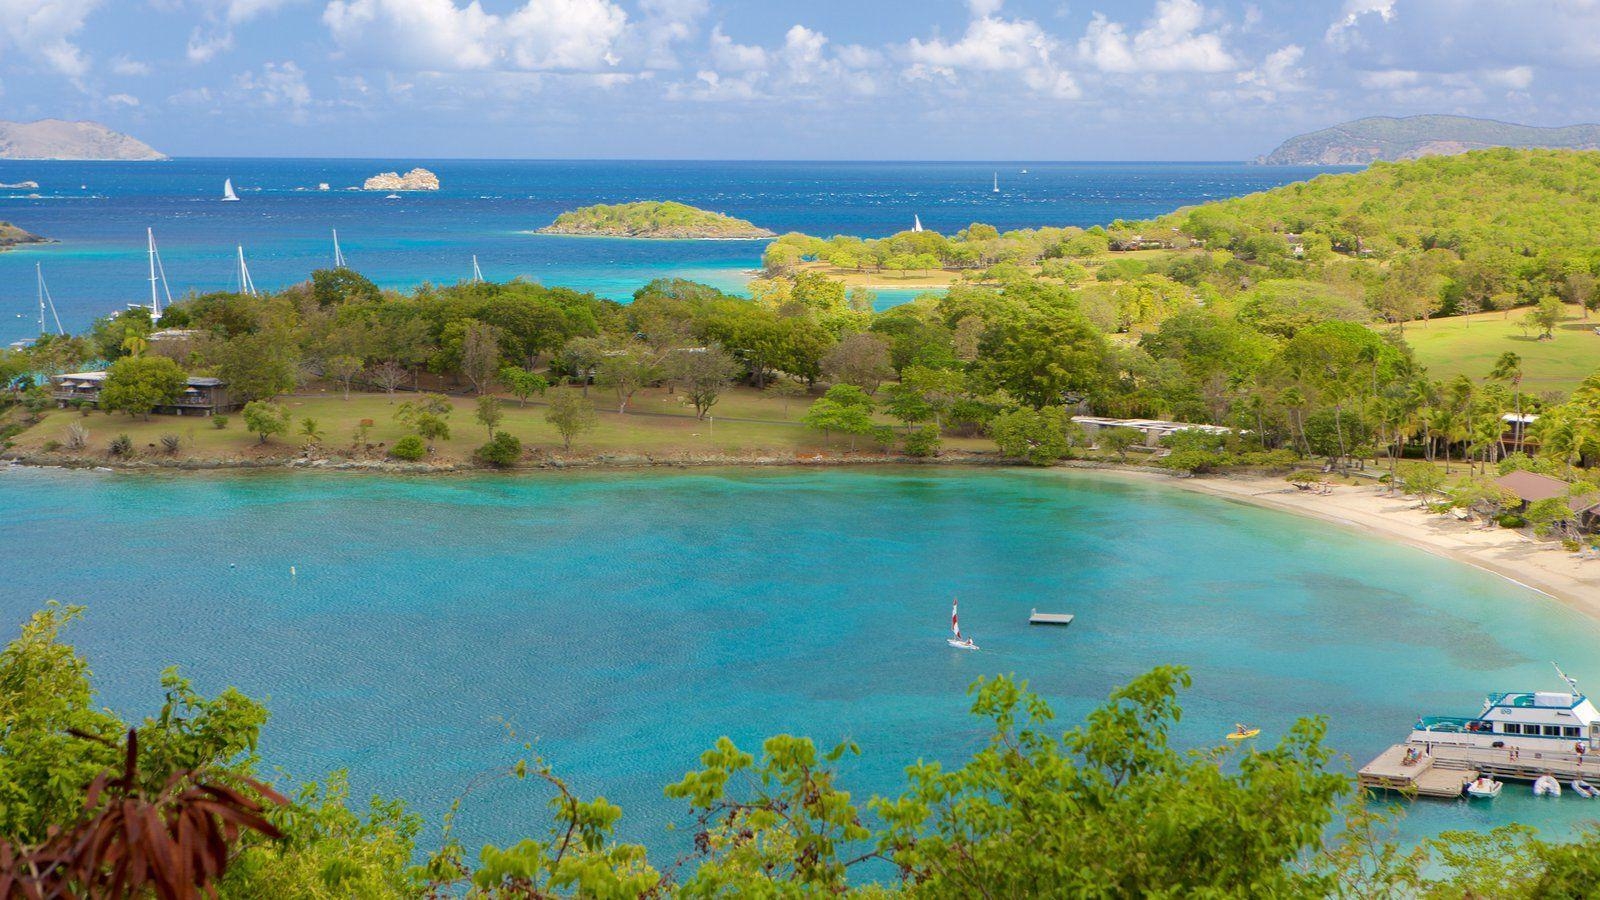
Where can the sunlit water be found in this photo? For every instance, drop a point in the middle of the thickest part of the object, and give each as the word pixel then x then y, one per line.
pixel 623 622
pixel 99 211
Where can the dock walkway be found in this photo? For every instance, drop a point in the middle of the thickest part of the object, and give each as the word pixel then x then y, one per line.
pixel 1442 770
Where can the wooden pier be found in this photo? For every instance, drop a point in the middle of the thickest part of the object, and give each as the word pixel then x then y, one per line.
pixel 1442 770
pixel 1039 618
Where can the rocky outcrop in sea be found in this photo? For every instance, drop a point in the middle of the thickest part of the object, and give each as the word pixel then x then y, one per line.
pixel 418 179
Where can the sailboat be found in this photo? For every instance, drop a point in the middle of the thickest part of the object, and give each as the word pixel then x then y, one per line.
pixel 916 223
pixel 247 285
pixel 477 273
pixel 956 640
pixel 44 298
pixel 227 190
pixel 157 273
pixel 338 255
pixel 996 183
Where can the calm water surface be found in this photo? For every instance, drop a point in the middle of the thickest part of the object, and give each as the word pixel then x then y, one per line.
pixel 99 211
pixel 624 622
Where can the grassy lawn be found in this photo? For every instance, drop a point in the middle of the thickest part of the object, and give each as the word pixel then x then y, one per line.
pixel 656 424
pixel 1470 345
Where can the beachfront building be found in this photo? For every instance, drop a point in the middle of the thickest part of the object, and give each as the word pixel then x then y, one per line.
pixel 200 397
pixel 1531 487
pixel 1152 429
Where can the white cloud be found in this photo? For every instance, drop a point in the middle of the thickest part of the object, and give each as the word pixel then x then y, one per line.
pixel 665 24
pixel 1516 78
pixel 123 100
pixel 1276 74
pixel 993 45
pixel 729 56
pixel 204 47
pixel 241 11
pixel 43 29
pixel 128 67
pixel 1388 79
pixel 438 35
pixel 1350 17
pixel 1170 41
pixel 277 84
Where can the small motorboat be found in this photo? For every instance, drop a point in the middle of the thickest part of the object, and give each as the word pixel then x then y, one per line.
pixel 1241 733
pixel 392 197
pixel 1546 786
pixel 1484 788
pixel 1584 789
pixel 957 640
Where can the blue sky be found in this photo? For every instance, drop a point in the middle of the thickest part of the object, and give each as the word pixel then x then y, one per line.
pixel 824 79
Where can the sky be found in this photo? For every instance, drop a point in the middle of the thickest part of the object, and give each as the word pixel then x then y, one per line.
pixel 776 79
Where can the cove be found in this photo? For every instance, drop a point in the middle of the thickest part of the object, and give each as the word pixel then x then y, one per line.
pixel 623 621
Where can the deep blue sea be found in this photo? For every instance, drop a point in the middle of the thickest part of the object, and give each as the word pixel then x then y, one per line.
pixel 98 211
pixel 623 622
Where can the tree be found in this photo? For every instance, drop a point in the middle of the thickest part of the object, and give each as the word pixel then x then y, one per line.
pixel 389 375
pixel 1044 355
pixel 625 371
pixel 489 413
pixel 310 430
pixel 1545 317
pixel 860 359
pixel 571 414
pixel 704 373
pixel 523 383
pixel 429 414
pixel 260 366
pixel 844 408
pixel 343 368
pixel 480 355
pixel 1552 515
pixel 787 389
pixel 333 287
pixel 1036 435
pixel 138 384
pixel 502 451
pixel 266 418
pixel 1421 480
pixel 1119 441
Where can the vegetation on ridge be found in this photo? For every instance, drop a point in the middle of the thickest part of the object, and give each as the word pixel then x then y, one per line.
pixel 653 219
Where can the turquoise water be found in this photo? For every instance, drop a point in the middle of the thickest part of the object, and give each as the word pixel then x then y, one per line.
pixel 98 212
pixel 625 621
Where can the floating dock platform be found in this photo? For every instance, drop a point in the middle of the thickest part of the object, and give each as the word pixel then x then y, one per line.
pixel 1443 770
pixel 1039 618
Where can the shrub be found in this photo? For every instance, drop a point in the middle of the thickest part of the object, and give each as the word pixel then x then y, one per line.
pixel 171 443
pixel 51 446
pixel 502 451
pixel 76 436
pixel 924 442
pixel 409 448
pixel 121 445
pixel 1196 461
pixel 1512 520
pixel 219 422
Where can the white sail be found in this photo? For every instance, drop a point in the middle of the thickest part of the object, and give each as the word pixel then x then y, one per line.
pixel 158 272
pixel 997 182
pixel 45 298
pixel 477 273
pixel 916 223
pixel 227 190
pixel 338 255
pixel 247 285
pixel 955 622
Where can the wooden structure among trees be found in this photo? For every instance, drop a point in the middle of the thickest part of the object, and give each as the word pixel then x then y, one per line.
pixel 201 396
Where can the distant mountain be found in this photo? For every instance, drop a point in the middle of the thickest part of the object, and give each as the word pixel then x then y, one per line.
pixel 1381 137
pixel 57 139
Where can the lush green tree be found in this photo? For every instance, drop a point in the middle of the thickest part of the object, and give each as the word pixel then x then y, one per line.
pixel 860 359
pixel 845 408
pixel 625 370
pixel 523 384
pixel 332 287
pixel 1039 436
pixel 1044 356
pixel 1545 317
pixel 571 414
pixel 502 451
pixel 489 413
pixel 1422 480
pixel 265 418
pixel 1119 441
pixel 137 384
pixel 260 365
pixel 704 373
pixel 409 448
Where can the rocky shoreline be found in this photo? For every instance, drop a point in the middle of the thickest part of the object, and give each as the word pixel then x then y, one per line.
pixel 12 236
pixel 418 179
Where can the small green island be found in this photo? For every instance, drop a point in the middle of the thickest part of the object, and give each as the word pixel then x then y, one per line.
pixel 666 220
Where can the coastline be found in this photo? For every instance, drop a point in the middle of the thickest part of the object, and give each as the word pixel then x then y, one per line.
pixel 1544 567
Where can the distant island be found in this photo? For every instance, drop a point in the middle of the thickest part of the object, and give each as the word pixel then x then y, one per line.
pixel 418 179
pixel 11 236
pixel 1384 138
pixel 654 219
pixel 58 139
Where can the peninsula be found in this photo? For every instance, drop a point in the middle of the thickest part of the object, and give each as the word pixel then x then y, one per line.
pixel 58 139
pixel 11 236
pixel 1377 138
pixel 654 219
pixel 418 179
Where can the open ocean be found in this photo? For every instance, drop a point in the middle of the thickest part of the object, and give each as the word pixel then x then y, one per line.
pixel 98 213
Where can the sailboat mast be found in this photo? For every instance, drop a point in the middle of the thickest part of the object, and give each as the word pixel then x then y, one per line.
pixel 44 298
pixel 150 236
pixel 338 256
pixel 477 273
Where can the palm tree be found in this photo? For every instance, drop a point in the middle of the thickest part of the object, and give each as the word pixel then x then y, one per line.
pixel 1509 368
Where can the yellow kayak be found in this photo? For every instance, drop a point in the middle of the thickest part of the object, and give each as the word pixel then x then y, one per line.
pixel 1243 735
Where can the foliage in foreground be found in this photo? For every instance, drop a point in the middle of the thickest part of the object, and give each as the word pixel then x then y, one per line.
pixel 1108 808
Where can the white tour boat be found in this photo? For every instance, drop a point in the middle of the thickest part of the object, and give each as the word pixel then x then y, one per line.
pixel 957 641
pixel 1528 721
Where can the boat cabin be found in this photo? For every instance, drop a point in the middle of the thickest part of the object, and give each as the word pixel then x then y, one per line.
pixel 200 397
pixel 1534 720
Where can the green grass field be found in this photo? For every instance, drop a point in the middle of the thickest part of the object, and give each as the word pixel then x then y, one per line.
pixel 1469 345
pixel 656 424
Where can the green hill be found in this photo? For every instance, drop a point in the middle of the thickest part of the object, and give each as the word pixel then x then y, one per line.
pixel 654 219
pixel 1383 138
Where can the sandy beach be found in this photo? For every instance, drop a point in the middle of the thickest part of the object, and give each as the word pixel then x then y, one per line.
pixel 1541 565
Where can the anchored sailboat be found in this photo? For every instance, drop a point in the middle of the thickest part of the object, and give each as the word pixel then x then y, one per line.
pixel 44 298
pixel 157 273
pixel 956 640
pixel 477 273
pixel 996 183
pixel 338 255
pixel 916 223
pixel 247 285
pixel 227 190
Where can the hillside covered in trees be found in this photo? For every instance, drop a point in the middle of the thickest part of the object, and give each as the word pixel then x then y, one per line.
pixel 1387 138
pixel 653 219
